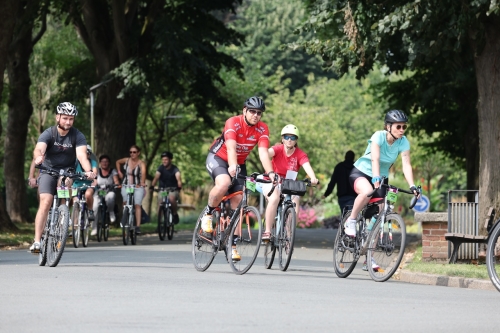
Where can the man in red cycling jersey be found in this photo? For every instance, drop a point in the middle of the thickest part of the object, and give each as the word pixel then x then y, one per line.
pixel 240 135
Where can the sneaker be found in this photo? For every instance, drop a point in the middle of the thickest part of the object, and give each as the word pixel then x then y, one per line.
pixel 375 267
pixel 206 223
pixel 176 218
pixel 112 216
pixel 91 215
pixel 137 230
pixel 93 232
pixel 350 227
pixel 35 248
pixel 235 255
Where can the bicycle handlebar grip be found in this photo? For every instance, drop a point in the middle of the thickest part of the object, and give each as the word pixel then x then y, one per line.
pixel 413 202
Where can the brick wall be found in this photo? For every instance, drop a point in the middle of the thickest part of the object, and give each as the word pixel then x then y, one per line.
pixel 434 226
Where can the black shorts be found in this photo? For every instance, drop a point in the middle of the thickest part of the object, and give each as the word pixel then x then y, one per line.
pixel 355 174
pixel 217 166
pixel 48 183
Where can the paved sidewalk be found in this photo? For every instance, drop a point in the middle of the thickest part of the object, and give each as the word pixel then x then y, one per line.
pixel 445 281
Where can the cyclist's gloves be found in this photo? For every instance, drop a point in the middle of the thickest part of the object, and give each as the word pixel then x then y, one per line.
pixel 413 188
pixel 376 179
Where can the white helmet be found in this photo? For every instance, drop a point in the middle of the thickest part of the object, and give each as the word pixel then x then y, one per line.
pixel 67 108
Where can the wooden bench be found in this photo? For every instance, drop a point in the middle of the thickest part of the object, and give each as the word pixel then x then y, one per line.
pixel 458 239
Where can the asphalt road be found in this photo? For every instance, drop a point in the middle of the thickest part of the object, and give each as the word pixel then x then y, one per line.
pixel 153 287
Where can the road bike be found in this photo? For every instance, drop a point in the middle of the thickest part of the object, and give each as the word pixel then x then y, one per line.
pixel 55 233
pixel 241 227
pixel 128 222
pixel 80 218
pixel 165 216
pixel 383 240
pixel 102 214
pixel 283 231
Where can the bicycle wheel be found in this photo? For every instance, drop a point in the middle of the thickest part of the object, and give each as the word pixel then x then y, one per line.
pixel 161 224
pixel 344 259
pixel 248 242
pixel 58 234
pixel 85 228
pixel 493 257
pixel 386 247
pixel 105 229
pixel 169 224
pixel 99 221
pixel 287 238
pixel 75 225
pixel 125 226
pixel 203 248
pixel 269 247
pixel 133 234
pixel 42 256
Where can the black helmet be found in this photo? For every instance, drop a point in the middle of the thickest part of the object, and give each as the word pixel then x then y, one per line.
pixel 396 116
pixel 255 103
pixel 167 154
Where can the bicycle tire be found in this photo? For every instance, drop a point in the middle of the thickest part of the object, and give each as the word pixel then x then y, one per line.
pixel 269 248
pixel 287 237
pixel 203 249
pixel 125 226
pixel 344 259
pixel 86 229
pixel 75 219
pixel 58 234
pixel 169 224
pixel 133 233
pixel 42 256
pixel 100 216
pixel 161 224
pixel 248 243
pixel 385 249
pixel 106 227
pixel 491 260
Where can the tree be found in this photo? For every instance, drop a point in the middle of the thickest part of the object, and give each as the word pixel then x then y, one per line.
pixel 414 35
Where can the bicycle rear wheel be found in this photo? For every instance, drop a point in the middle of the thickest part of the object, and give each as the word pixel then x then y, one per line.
pixel 386 247
pixel 248 242
pixel 85 228
pixel 493 257
pixel 287 238
pixel 75 225
pixel 169 224
pixel 344 259
pixel 125 226
pixel 100 218
pixel 269 247
pixel 161 224
pixel 203 248
pixel 58 234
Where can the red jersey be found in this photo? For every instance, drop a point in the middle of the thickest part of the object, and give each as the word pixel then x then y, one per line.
pixel 282 163
pixel 246 137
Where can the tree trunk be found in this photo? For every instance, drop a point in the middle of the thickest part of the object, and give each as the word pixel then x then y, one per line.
pixel 487 65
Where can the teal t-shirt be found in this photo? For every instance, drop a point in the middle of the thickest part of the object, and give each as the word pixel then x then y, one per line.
pixel 388 153
pixel 78 183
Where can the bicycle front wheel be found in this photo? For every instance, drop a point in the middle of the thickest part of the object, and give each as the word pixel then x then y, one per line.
pixel 125 226
pixel 42 256
pixel 85 229
pixel 386 247
pixel 169 224
pixel 344 259
pixel 100 218
pixel 287 237
pixel 58 234
pixel 493 257
pixel 161 224
pixel 133 233
pixel 203 247
pixel 75 225
pixel 245 238
pixel 269 247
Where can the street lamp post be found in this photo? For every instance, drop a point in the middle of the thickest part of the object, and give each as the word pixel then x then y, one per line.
pixel 92 136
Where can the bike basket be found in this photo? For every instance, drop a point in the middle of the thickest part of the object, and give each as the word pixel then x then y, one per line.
pixel 293 187
pixel 163 194
pixel 392 195
pixel 102 193
pixel 130 189
pixel 62 193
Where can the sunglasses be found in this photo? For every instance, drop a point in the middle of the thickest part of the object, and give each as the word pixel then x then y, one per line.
pixel 259 113
pixel 290 137
pixel 133 152
pixel 402 126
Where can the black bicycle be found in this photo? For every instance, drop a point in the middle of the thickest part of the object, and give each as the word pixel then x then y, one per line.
pixel 55 232
pixel 165 216
pixel 80 218
pixel 129 223
pixel 102 214
pixel 384 242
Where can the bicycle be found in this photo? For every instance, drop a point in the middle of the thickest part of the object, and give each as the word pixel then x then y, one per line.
pixel 384 243
pixel 165 216
pixel 128 222
pixel 55 232
pixel 283 231
pixel 231 227
pixel 493 254
pixel 102 214
pixel 80 218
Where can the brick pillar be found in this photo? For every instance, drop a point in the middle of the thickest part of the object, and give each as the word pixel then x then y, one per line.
pixel 434 226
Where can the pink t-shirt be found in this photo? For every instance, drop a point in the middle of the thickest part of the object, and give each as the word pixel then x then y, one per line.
pixel 282 163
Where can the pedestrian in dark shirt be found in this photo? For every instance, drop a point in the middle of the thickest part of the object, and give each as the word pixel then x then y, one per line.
pixel 340 177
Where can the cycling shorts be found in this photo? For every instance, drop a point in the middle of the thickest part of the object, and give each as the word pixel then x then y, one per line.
pixel 48 183
pixel 355 174
pixel 217 166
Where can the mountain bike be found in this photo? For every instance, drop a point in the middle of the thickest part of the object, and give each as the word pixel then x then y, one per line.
pixel 102 214
pixel 165 216
pixel 241 227
pixel 80 218
pixel 128 222
pixel 55 232
pixel 283 231
pixel 383 242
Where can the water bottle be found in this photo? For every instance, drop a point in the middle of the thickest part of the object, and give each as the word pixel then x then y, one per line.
pixel 371 223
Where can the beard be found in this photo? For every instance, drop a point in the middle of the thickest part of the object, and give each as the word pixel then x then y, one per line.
pixel 63 127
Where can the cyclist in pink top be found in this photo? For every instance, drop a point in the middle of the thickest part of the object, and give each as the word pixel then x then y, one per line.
pixel 286 157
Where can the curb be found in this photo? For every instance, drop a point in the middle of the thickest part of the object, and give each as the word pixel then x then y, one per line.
pixel 445 281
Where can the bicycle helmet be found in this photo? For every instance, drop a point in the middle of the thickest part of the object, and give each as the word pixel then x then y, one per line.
pixel 290 129
pixel 167 154
pixel 67 109
pixel 396 116
pixel 255 103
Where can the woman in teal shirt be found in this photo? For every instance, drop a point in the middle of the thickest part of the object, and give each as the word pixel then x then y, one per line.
pixel 89 193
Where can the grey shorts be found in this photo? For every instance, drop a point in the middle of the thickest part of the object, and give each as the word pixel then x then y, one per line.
pixel 48 183
pixel 217 166
pixel 138 195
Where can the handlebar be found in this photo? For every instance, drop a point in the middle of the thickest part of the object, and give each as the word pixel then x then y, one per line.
pixel 61 172
pixel 168 189
pixel 413 200
pixel 305 180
